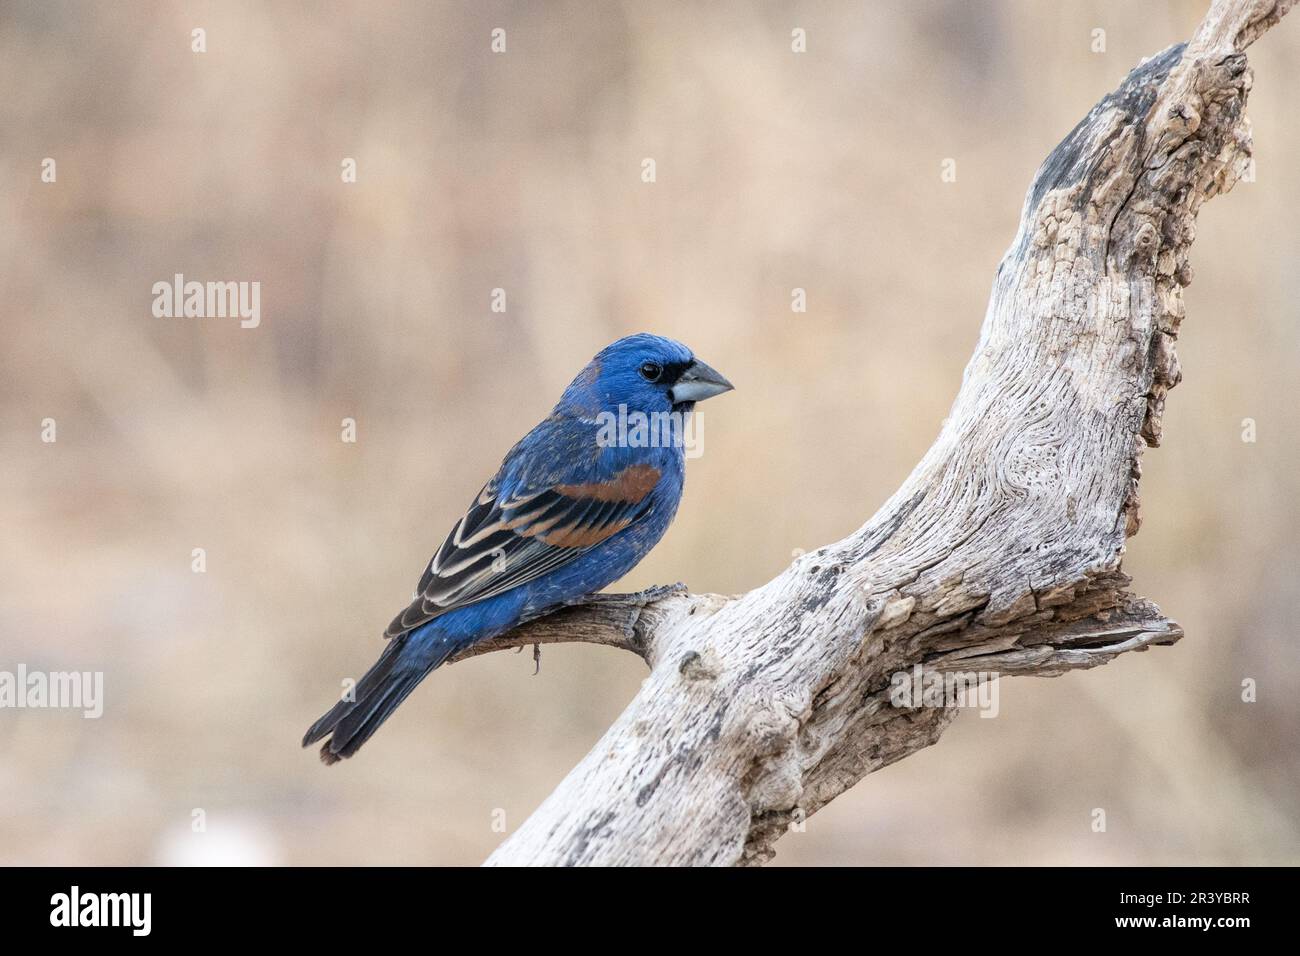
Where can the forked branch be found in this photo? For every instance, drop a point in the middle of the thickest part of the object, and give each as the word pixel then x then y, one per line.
pixel 1000 553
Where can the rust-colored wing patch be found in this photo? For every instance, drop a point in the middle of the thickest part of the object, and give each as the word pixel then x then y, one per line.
pixel 630 485
pixel 584 536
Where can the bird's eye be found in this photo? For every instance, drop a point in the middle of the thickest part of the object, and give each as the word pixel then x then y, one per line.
pixel 650 371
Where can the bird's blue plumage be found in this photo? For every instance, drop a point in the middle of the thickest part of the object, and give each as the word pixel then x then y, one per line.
pixel 573 507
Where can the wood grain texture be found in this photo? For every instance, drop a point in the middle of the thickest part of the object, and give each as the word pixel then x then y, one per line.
pixel 1000 553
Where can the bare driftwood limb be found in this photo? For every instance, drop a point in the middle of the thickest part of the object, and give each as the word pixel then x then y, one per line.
pixel 1000 553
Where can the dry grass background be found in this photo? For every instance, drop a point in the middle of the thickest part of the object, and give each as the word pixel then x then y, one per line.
pixel 521 171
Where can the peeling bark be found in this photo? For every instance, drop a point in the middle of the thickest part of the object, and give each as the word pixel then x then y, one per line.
pixel 1000 553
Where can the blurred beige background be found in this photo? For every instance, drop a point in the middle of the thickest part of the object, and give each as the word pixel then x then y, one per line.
pixel 521 170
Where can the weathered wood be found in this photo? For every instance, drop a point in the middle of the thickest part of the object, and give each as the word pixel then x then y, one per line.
pixel 1000 553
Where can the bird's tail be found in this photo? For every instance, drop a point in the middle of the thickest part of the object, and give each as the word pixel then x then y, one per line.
pixel 350 723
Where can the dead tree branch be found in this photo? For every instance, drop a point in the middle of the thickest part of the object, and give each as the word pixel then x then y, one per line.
pixel 1001 552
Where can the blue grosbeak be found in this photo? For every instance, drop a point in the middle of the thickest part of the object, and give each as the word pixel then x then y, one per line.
pixel 575 505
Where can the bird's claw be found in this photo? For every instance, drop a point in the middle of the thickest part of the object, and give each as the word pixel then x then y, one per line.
pixel 636 598
pixel 652 594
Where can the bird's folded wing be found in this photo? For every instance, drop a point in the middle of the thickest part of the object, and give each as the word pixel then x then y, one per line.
pixel 502 543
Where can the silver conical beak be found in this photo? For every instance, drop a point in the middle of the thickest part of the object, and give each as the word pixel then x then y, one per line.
pixel 697 383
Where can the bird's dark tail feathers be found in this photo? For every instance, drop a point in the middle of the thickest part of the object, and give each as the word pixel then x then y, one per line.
pixel 350 723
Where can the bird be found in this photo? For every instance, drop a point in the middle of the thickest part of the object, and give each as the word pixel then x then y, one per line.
pixel 575 505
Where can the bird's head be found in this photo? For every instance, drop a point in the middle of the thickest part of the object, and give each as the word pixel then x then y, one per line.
pixel 647 373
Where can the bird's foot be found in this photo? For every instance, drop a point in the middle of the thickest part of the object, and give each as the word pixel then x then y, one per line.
pixel 636 598
pixel 537 657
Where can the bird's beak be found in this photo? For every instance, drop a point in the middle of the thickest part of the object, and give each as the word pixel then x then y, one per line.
pixel 697 383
